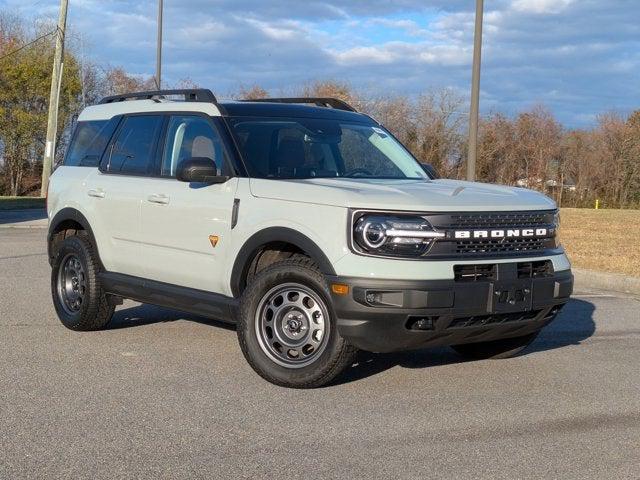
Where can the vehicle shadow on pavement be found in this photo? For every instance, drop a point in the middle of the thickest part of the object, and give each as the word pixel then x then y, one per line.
pixel 145 314
pixel 572 326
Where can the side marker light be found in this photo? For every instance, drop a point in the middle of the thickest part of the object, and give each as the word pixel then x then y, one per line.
pixel 340 288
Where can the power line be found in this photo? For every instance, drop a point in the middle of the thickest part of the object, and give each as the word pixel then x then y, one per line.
pixel 28 44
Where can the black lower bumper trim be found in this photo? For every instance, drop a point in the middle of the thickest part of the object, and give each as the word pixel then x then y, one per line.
pixel 389 315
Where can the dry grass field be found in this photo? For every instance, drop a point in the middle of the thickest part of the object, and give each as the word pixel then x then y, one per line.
pixel 604 240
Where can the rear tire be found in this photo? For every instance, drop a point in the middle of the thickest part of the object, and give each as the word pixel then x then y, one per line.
pixel 78 298
pixel 287 329
pixel 496 349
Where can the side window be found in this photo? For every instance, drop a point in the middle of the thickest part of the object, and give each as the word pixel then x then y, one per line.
pixel 132 152
pixel 191 136
pixel 88 142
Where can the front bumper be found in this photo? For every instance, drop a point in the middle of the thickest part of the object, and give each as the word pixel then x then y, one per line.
pixel 420 313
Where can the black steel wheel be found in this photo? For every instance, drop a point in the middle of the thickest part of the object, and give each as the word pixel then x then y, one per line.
pixel 78 298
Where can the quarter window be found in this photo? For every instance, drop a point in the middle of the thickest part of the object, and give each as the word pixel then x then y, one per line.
pixel 89 141
pixel 132 152
pixel 191 136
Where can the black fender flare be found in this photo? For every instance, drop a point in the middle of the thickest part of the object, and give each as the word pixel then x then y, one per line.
pixel 64 215
pixel 275 234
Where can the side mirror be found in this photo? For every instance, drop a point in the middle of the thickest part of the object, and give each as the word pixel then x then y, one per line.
pixel 429 170
pixel 199 170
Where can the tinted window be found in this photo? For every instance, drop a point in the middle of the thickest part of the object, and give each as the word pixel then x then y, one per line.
pixel 190 136
pixel 88 142
pixel 133 150
pixel 309 147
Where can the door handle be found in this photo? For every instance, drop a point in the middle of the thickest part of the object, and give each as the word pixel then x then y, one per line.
pixel 158 198
pixel 99 193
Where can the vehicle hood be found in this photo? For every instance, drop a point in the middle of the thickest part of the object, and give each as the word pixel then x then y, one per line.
pixel 412 195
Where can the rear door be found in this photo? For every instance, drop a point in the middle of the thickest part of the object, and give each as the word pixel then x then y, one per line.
pixel 114 192
pixel 186 227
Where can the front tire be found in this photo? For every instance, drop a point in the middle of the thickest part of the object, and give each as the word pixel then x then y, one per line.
pixel 287 328
pixel 78 298
pixel 496 349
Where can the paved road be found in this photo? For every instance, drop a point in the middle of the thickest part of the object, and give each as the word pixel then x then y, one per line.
pixel 165 395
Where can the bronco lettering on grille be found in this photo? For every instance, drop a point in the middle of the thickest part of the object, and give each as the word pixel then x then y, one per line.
pixel 502 233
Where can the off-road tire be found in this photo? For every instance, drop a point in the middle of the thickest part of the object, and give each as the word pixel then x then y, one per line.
pixel 95 311
pixel 496 349
pixel 337 354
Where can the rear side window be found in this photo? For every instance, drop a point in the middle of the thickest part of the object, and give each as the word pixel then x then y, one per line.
pixel 88 142
pixel 133 150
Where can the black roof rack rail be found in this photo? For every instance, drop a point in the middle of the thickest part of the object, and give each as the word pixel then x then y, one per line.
pixel 190 95
pixel 318 101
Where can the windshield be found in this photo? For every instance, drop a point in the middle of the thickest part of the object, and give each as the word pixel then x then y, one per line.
pixel 309 148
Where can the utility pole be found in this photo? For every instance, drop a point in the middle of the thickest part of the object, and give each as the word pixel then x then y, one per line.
pixel 54 96
pixel 475 94
pixel 159 49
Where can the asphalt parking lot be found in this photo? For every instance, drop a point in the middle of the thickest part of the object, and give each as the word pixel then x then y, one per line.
pixel 161 394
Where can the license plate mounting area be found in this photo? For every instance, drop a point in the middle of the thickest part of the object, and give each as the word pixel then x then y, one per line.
pixel 511 296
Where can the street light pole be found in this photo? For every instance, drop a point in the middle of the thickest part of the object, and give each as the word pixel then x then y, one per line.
pixel 475 94
pixel 54 96
pixel 159 48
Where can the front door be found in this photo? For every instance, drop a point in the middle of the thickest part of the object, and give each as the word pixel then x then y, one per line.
pixel 186 227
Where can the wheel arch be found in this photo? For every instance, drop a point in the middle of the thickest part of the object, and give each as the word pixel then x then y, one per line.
pixel 274 235
pixel 68 217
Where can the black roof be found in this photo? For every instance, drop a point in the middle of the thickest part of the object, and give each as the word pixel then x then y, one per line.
pixel 292 110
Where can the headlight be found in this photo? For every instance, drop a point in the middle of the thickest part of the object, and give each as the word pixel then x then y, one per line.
pixel 556 223
pixel 393 235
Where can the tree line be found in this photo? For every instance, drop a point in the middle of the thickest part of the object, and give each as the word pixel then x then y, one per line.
pixel 530 149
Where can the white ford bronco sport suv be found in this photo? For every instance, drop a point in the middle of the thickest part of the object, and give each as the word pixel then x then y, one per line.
pixel 304 222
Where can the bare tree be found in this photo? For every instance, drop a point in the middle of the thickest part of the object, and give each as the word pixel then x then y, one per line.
pixel 253 92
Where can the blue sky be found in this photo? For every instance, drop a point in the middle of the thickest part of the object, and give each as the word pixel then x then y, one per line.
pixel 580 58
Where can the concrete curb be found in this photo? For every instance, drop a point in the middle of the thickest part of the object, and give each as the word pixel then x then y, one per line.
pixel 26 226
pixel 606 281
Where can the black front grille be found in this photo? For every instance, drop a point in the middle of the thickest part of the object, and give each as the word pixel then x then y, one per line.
pixel 502 245
pixel 485 246
pixel 493 319
pixel 500 219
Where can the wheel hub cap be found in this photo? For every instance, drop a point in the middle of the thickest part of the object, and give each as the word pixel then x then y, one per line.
pixel 71 284
pixel 291 325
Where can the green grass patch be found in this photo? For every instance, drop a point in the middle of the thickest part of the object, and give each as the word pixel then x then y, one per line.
pixel 19 203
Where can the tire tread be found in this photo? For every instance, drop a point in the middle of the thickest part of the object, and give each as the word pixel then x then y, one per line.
pixel 99 312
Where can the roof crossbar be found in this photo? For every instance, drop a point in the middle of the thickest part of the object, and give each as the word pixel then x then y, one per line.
pixel 318 101
pixel 190 95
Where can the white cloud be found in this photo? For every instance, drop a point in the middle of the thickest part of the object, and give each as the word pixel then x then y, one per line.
pixel 541 6
pixel 284 31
